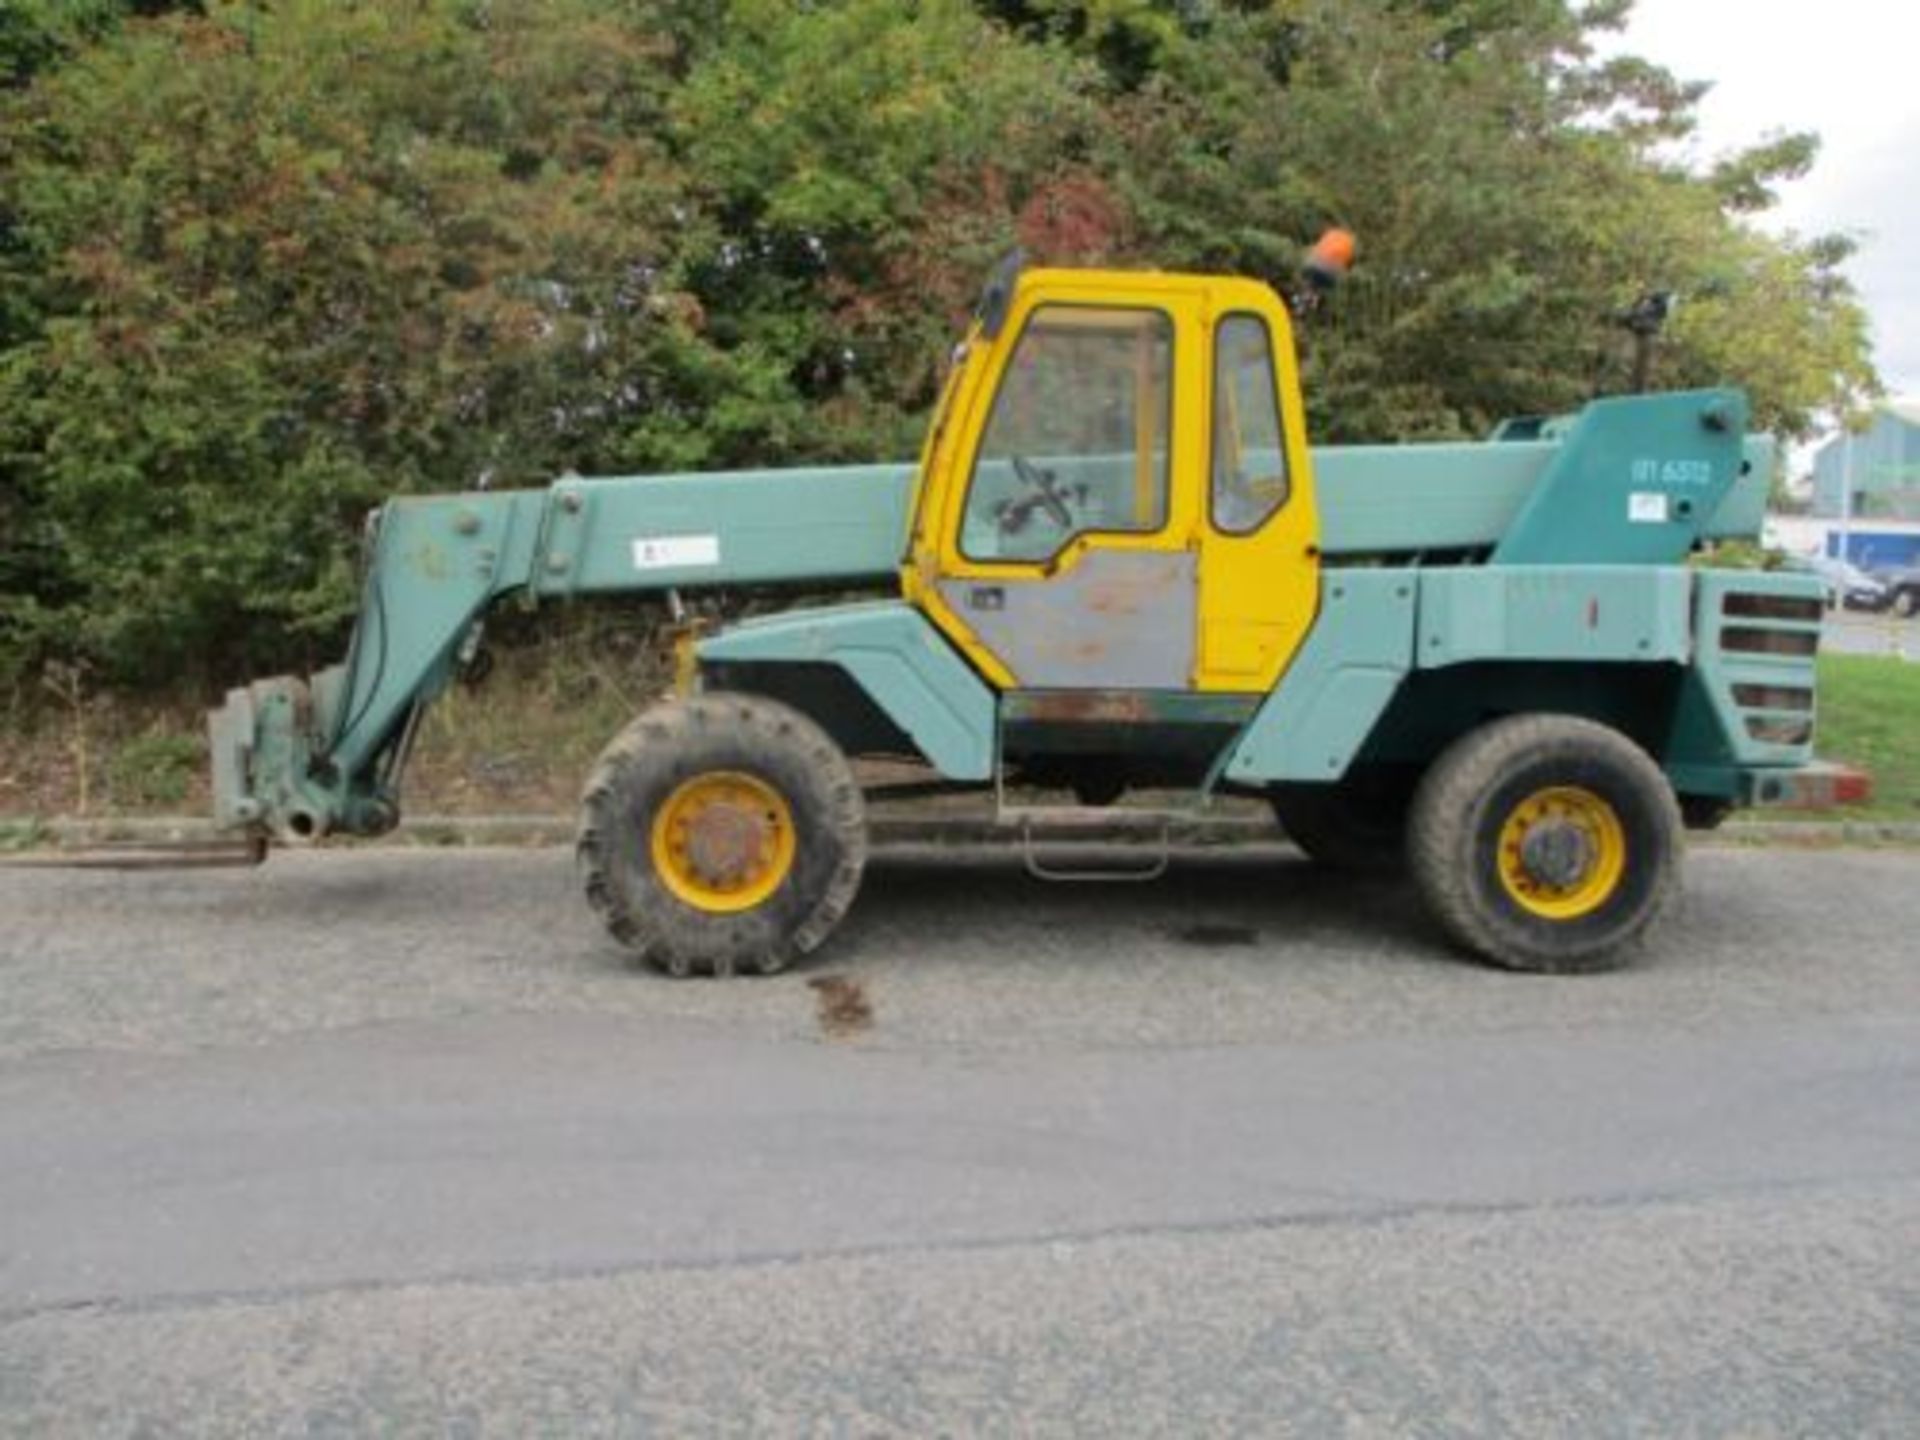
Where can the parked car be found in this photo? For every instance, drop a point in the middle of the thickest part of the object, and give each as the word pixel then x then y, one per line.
pixel 1847 584
pixel 1902 589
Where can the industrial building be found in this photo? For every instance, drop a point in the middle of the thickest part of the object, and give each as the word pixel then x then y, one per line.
pixel 1880 465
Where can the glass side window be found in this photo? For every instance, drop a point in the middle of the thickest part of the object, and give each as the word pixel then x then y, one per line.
pixel 1077 440
pixel 1249 447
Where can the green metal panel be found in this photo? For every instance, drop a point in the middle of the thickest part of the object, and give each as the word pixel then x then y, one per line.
pixel 899 659
pixel 736 527
pixel 1386 622
pixel 1743 513
pixel 1635 482
pixel 438 563
pixel 1325 706
pixel 1376 625
pixel 1381 499
pixel 302 756
pixel 1561 612
pixel 1401 499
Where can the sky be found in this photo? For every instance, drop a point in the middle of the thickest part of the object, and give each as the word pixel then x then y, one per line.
pixel 1848 70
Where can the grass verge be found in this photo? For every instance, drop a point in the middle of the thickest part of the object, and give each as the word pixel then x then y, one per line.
pixel 1870 718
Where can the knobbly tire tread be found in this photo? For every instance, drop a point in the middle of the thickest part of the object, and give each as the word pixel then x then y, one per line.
pixel 665 745
pixel 1453 868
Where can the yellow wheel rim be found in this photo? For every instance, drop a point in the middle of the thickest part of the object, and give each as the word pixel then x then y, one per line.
pixel 1563 851
pixel 723 841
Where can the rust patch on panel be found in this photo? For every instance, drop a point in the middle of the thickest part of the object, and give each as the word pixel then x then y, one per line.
pixel 1124 706
pixel 1128 707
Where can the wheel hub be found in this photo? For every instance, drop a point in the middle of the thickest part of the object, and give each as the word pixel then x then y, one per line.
pixel 1562 852
pixel 1557 853
pixel 723 841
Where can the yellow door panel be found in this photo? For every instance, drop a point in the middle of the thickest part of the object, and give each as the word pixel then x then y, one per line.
pixel 1104 446
pixel 1068 471
pixel 1234 655
pixel 1259 565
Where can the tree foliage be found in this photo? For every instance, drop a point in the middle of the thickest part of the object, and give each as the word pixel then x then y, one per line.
pixel 263 264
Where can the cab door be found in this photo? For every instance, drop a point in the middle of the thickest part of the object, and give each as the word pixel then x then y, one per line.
pixel 1066 559
pixel 1259 561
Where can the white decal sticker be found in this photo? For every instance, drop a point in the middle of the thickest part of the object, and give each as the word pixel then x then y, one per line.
pixel 1647 507
pixel 674 552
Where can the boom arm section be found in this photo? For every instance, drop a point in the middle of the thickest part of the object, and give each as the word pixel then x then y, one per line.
pixel 1634 480
pixel 305 758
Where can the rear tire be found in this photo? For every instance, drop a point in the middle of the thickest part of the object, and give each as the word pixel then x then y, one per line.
pixel 781 840
pixel 1546 843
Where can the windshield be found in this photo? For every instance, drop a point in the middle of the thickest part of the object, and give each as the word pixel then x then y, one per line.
pixel 1077 440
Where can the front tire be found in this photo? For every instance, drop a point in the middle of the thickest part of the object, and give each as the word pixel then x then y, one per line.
pixel 1546 843
pixel 721 834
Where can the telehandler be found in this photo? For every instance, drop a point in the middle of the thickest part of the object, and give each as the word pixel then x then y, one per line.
pixel 1119 565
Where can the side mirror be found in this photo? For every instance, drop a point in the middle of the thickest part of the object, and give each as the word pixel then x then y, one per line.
pixel 997 298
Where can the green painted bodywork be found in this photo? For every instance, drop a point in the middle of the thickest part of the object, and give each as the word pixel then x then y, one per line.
pixel 1588 568
pixel 1554 559
pixel 1561 612
pixel 1350 667
pixel 1405 499
pixel 768 527
pixel 1637 481
pixel 1379 626
pixel 902 663
pixel 1428 499
pixel 323 755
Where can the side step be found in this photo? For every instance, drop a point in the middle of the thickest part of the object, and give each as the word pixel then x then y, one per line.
pixel 1065 828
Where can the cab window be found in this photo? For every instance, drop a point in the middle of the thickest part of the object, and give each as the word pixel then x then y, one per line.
pixel 1249 447
pixel 1078 436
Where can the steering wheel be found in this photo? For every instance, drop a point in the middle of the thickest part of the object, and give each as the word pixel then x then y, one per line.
pixel 1048 491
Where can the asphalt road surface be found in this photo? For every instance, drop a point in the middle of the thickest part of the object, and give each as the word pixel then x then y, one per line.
pixel 394 1142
